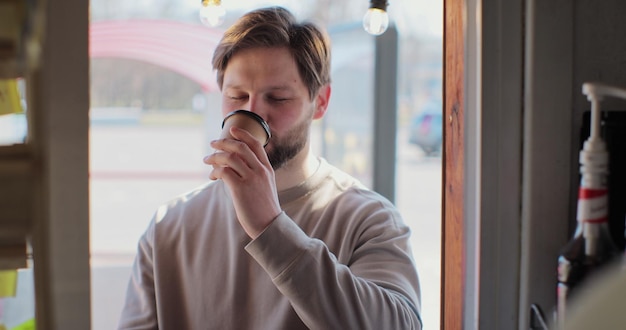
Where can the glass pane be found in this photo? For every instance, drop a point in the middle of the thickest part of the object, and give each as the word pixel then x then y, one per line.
pixel 348 124
pixel 17 299
pixel 13 123
pixel 419 140
pixel 150 128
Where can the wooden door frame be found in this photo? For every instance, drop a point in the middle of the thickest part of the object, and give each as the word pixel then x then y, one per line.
pixel 482 243
pixel 452 275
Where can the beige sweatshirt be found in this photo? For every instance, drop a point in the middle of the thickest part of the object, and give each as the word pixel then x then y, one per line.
pixel 338 257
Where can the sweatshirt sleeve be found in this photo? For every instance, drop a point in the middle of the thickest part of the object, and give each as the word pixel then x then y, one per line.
pixel 139 311
pixel 379 289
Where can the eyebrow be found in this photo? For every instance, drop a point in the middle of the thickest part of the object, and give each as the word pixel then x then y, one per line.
pixel 281 87
pixel 271 88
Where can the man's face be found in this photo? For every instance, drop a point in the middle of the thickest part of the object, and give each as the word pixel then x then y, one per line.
pixel 266 81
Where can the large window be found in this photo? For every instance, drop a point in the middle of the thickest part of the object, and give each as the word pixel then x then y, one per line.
pixel 150 127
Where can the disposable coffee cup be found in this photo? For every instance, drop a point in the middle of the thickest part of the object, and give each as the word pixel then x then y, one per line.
pixel 248 121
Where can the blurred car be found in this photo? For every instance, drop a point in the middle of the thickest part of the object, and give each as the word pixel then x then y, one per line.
pixel 426 128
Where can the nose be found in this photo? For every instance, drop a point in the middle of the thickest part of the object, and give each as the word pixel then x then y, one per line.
pixel 256 105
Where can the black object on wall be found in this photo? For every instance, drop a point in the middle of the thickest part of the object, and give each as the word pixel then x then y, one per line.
pixel 613 132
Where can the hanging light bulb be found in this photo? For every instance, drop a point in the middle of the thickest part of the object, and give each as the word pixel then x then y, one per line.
pixel 376 19
pixel 212 13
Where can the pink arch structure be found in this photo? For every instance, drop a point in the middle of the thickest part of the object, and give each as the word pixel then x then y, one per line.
pixel 181 47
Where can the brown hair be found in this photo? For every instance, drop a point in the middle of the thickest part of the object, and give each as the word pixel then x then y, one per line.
pixel 277 27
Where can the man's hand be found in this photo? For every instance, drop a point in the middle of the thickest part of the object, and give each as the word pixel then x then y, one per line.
pixel 247 172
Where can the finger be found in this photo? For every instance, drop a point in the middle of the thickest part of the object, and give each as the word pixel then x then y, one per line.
pixel 255 145
pixel 223 173
pixel 222 167
pixel 213 159
pixel 234 155
pixel 215 174
pixel 236 150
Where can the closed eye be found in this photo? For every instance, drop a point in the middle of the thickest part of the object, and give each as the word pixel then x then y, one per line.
pixel 237 97
pixel 277 99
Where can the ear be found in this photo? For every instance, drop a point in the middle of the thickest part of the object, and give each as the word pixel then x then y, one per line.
pixel 321 101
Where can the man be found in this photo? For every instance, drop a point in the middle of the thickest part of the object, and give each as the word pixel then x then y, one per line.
pixel 281 239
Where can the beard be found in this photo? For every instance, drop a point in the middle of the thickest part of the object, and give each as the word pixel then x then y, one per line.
pixel 286 147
